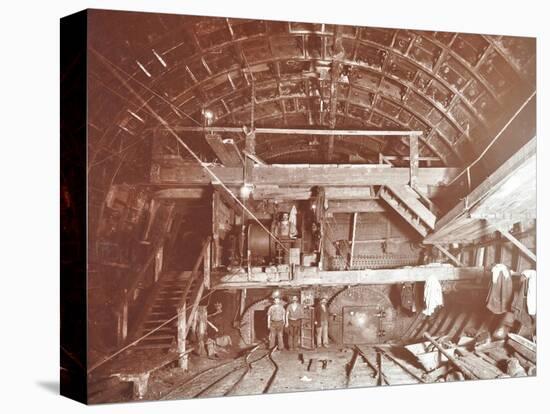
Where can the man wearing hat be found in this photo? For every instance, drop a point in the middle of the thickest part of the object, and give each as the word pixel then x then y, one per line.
pixel 276 322
pixel 321 322
pixel 294 316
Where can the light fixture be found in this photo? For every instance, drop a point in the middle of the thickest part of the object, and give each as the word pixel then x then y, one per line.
pixel 208 116
pixel 246 190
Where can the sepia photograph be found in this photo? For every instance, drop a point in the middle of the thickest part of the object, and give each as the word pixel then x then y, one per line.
pixel 255 206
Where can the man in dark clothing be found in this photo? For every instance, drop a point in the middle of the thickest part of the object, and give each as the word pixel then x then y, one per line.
pixel 275 323
pixel 321 322
pixel 294 316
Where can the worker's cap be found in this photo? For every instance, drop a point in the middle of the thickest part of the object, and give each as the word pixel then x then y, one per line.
pixel 324 299
pixel 275 294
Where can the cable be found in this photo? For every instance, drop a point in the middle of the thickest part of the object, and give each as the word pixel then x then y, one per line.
pixel 494 139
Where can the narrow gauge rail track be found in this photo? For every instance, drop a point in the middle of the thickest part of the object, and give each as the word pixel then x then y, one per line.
pixel 227 378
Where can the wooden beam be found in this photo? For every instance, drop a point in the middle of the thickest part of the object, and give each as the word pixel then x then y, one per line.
pixel 297 131
pixel 353 228
pixel 299 175
pixel 315 277
pixel 355 206
pixel 524 249
pixel 227 152
pixel 405 158
pixel 190 193
pixel 410 198
pixel 181 336
pixel 262 192
pixel 413 164
pixel 488 186
pixel 451 257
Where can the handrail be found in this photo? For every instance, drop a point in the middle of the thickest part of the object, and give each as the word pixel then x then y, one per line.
pixel 190 281
pixel 194 271
pixel 150 259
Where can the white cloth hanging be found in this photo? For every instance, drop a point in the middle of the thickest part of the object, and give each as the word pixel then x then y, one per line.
pixel 433 295
pixel 293 219
pixel 498 269
pixel 531 276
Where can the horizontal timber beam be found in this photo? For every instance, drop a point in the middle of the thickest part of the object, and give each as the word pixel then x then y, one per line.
pixel 186 193
pixel 294 131
pixel 299 175
pixel 352 277
pixel 355 206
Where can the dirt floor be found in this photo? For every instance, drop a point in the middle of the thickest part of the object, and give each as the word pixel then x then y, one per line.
pixel 260 370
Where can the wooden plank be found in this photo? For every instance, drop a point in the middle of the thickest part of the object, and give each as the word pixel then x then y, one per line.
pixel 402 210
pixel 524 249
pixel 355 206
pixel 353 228
pixel 297 131
pixel 413 163
pixel 455 361
pixel 186 193
pixel 298 175
pixel 405 158
pixel 487 187
pixel 262 192
pixel 410 198
pixel 451 257
pixel 207 265
pixel 351 277
pixel 181 337
pixel 226 153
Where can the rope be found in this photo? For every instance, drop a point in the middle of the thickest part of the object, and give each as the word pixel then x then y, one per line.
pixel 494 139
pixel 187 148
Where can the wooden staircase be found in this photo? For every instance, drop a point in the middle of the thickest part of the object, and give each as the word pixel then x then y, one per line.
pixel 173 292
pixel 163 304
pixel 411 206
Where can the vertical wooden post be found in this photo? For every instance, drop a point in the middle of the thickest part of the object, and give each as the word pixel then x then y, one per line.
pixel 242 302
pixel 216 251
pixel 413 147
pixel 153 208
pixel 158 262
pixel 182 328
pixel 123 320
pixel 206 265
pixel 354 227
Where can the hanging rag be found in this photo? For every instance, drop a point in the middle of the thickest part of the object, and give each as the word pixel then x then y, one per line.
pixel 499 269
pixel 433 295
pixel 519 305
pixel 531 276
pixel 407 297
pixel 501 291
pixel 293 222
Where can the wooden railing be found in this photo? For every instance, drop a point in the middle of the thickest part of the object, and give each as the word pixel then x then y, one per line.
pixel 184 320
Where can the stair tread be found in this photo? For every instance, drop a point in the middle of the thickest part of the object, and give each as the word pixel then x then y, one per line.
pixel 413 203
pixel 158 337
pixel 403 212
pixel 154 346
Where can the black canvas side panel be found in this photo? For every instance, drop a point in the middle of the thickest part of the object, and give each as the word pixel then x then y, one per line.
pixel 73 206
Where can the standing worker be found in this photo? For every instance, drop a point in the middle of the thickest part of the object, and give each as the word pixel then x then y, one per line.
pixel 294 316
pixel 321 322
pixel 276 323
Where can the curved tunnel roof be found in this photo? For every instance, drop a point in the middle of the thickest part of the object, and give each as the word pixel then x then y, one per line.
pixel 458 89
